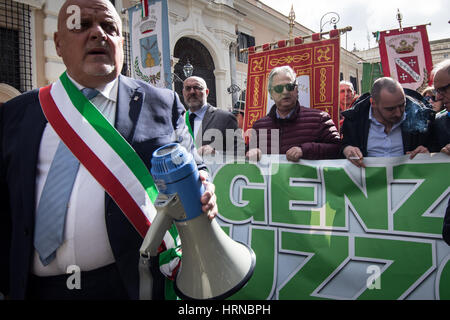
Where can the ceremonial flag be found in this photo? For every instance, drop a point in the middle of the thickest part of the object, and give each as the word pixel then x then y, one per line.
pixel 406 56
pixel 150 48
pixel 144 5
pixel 316 65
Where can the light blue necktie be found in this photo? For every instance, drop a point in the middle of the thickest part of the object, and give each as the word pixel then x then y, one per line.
pixel 90 93
pixel 51 212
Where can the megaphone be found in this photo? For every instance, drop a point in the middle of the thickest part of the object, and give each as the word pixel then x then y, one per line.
pixel 213 266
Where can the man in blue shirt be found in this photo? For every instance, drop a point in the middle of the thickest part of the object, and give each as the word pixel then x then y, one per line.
pixel 377 125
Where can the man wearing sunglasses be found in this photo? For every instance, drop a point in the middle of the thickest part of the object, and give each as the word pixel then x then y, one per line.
pixel 430 97
pixel 303 132
pixel 441 126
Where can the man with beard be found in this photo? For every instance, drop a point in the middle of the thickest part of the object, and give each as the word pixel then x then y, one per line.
pixel 214 130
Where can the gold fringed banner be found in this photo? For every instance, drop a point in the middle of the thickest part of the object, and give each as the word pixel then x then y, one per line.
pixel 317 67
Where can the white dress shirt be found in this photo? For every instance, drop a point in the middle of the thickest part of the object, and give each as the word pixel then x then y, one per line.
pixel 382 144
pixel 85 242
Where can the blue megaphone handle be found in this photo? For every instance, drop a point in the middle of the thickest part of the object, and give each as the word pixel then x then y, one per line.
pixel 175 172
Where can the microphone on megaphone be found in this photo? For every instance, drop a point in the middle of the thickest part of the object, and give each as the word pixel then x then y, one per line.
pixel 213 266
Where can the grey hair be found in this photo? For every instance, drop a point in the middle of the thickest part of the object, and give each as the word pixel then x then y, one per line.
pixel 445 64
pixel 283 69
pixel 389 84
pixel 199 79
pixel 348 83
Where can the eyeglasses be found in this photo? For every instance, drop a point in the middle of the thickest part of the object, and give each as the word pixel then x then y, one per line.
pixel 441 90
pixel 280 88
pixel 196 88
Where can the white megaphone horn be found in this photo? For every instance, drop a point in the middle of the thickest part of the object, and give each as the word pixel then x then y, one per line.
pixel 213 266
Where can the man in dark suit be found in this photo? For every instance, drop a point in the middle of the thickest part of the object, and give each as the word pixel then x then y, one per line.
pixel 98 237
pixel 214 130
pixel 441 126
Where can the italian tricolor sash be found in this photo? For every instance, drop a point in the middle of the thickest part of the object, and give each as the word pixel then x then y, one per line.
pixel 191 130
pixel 103 151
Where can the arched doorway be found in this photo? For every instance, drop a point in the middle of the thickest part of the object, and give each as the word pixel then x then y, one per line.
pixel 201 60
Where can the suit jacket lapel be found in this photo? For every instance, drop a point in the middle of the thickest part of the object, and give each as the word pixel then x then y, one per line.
pixel 209 115
pixel 30 139
pixel 128 108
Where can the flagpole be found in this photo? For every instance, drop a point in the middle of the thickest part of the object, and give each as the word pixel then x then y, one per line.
pixel 376 33
pixel 291 24
pixel 399 17
pixel 124 10
pixel 341 31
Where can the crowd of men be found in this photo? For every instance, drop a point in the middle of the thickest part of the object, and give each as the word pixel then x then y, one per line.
pixel 95 235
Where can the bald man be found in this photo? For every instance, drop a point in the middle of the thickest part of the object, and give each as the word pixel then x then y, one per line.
pixel 98 240
pixel 376 126
pixel 214 129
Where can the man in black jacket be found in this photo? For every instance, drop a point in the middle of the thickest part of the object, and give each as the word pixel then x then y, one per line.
pixel 385 123
pixel 214 130
pixel 441 126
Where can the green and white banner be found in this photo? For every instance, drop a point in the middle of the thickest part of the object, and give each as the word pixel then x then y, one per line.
pixel 329 230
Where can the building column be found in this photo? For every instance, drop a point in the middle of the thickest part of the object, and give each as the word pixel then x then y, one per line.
pixel 222 97
pixel 234 95
pixel 54 65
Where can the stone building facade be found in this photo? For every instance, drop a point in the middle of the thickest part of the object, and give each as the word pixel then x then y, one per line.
pixel 208 32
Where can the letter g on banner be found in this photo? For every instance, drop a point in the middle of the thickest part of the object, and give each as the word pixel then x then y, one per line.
pixel 244 200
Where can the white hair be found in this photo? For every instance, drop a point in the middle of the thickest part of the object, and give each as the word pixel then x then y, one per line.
pixel 283 69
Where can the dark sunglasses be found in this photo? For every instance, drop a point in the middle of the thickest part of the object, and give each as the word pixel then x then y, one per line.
pixel 441 90
pixel 430 98
pixel 280 88
pixel 196 88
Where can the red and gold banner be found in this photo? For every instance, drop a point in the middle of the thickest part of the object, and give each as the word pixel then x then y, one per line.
pixel 317 67
pixel 406 56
